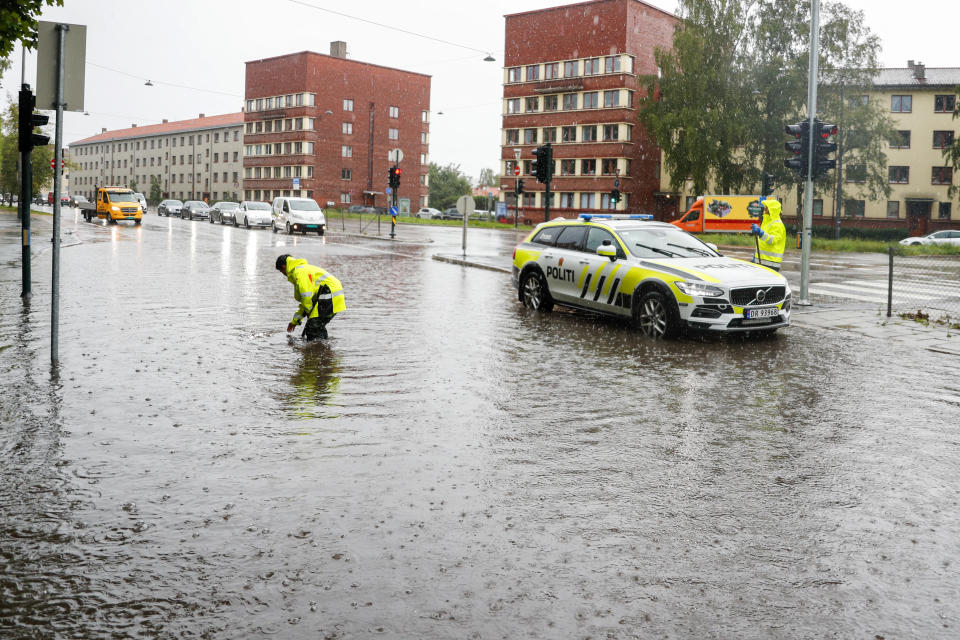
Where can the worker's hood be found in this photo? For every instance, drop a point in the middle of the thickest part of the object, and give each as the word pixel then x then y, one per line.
pixel 293 263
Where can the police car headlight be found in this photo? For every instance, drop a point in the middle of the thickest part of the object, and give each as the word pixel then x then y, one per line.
pixel 699 289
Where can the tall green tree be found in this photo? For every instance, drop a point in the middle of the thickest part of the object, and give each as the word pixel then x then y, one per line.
pixel 155 191
pixel 737 73
pixel 18 24
pixel 951 154
pixel 446 185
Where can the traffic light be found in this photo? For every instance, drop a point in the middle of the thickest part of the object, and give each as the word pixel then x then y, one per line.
pixel 799 147
pixel 519 188
pixel 823 148
pixel 393 181
pixel 542 168
pixel 28 120
pixel 615 195
pixel 766 184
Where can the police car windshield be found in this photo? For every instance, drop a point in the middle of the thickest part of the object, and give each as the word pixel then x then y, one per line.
pixel 662 242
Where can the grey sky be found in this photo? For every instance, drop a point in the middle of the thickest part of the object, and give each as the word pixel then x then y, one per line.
pixel 203 44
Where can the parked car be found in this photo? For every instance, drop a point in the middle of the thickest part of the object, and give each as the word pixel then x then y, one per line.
pixel 451 213
pixel 429 212
pixel 64 199
pixel 169 208
pixel 76 200
pixel 195 210
pixel 254 214
pixel 223 212
pixel 39 200
pixel 937 237
pixel 298 214
pixel 359 208
pixel 142 200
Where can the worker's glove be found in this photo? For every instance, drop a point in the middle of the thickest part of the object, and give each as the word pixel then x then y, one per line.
pixel 756 230
pixel 290 327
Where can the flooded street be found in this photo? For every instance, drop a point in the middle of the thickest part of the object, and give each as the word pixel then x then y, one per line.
pixel 449 464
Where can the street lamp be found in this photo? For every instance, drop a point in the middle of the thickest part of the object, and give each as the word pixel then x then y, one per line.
pixel 148 84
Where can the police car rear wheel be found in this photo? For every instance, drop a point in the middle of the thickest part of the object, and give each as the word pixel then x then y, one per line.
pixel 536 295
pixel 654 317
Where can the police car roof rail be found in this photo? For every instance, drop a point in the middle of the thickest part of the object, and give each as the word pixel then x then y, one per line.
pixel 587 217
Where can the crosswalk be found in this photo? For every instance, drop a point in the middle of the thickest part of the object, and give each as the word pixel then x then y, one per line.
pixel 905 291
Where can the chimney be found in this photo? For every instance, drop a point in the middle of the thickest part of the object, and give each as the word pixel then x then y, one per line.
pixel 920 71
pixel 103 130
pixel 133 126
pixel 201 115
pixel 338 49
pixel 910 64
pixel 164 121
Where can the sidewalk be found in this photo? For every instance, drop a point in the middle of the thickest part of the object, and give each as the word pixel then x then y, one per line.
pixel 868 320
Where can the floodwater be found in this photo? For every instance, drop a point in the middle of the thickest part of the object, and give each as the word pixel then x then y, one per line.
pixel 448 464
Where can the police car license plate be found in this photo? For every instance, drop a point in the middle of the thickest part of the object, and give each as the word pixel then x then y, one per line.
pixel 765 312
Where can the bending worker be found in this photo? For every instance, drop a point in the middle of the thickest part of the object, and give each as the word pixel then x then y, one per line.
pixel 771 236
pixel 320 295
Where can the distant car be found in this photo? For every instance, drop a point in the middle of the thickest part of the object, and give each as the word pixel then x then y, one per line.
pixel 169 208
pixel 39 200
pixel 451 213
pixel 359 208
pixel 298 214
pixel 64 199
pixel 195 210
pixel 76 200
pixel 224 211
pixel 142 200
pixel 937 237
pixel 254 214
pixel 49 197
pixel 429 212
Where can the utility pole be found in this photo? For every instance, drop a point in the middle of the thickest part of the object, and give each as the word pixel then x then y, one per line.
pixel 839 199
pixel 807 234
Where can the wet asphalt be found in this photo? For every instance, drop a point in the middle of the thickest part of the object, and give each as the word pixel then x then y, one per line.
pixel 448 464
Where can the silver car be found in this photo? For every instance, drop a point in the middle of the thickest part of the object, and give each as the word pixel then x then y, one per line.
pixel 169 208
pixel 195 210
pixel 224 211
pixel 937 237
pixel 251 213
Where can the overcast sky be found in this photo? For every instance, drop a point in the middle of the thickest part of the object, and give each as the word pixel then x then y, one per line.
pixel 194 52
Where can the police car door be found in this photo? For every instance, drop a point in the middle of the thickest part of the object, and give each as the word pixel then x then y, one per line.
pixel 598 287
pixel 562 264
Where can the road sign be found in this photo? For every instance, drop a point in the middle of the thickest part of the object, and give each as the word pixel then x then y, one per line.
pixel 394 211
pixel 296 183
pixel 53 163
pixel 395 155
pixel 465 205
pixel 516 170
pixel 74 65
pixel 388 190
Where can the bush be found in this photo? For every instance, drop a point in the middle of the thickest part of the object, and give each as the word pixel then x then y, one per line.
pixel 829 232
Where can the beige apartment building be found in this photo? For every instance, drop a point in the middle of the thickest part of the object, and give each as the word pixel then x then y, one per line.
pixel 196 159
pixel 921 102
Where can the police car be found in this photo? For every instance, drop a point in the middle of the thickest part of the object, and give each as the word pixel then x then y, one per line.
pixel 661 277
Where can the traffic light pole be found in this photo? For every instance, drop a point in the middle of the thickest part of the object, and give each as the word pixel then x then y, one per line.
pixel 546 191
pixel 26 192
pixel 807 237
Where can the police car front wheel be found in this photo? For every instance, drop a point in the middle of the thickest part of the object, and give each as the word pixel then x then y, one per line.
pixel 536 295
pixel 655 317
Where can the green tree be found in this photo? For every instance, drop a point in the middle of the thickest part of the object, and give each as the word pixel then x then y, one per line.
pixel 18 23
pixel 951 154
pixel 155 192
pixel 446 185
pixel 488 178
pixel 9 153
pixel 737 73
pixel 133 185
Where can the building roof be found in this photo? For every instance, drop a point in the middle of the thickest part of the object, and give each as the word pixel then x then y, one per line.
pixel 586 2
pixel 907 77
pixel 206 122
pixel 350 60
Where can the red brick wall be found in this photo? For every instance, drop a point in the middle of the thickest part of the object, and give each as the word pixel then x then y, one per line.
pixel 373 89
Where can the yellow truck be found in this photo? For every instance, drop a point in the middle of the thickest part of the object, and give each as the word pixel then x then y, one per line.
pixel 113 204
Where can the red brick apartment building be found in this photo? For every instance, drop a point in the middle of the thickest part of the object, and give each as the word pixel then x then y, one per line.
pixel 327 124
pixel 571 78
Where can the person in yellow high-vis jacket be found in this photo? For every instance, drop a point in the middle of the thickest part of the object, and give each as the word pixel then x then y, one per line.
pixel 771 236
pixel 320 295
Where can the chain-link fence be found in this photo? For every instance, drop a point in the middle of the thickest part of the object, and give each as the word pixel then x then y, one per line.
pixel 925 285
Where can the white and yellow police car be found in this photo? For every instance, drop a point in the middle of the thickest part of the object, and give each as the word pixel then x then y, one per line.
pixel 665 279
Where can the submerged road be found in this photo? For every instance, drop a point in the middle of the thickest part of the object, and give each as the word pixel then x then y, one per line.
pixel 448 464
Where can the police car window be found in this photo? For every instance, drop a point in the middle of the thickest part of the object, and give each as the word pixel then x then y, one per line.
pixel 595 238
pixel 662 242
pixel 571 238
pixel 547 236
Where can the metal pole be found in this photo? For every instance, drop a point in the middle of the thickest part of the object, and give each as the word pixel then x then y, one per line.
pixel 57 173
pixel 546 192
pixel 26 193
pixel 807 236
pixel 464 243
pixel 836 217
pixel 890 283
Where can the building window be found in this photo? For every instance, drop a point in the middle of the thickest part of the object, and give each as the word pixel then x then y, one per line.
pixel 513 105
pixel 571 69
pixel 527 166
pixel 550 103
pixel 588 167
pixel 609 166
pixel 513 74
pixel 423 137
pixel 943 211
pixel 856 173
pixel 551 70
pixel 347 104
pixel 550 134
pixel 944 104
pixel 591 66
pixel 893 208
pixel 513 136
pixel 533 104
pixel 423 158
pixel 394 112
pixel 942 175
pixel 424 116
pixel 817 207
pixel 901 104
pixel 854 208
pixel 393 134
pixel 611 132
pixel 591 100
pixel 901 140
pixel 529 136
pixel 346 151
pixel 566 201
pixel 899 175
pixel 568 134
pixel 345 198
pixel 611 98
pixel 568 167
pixel 533 72
pixel 588 133
pixel 509 166
pixel 587 201
pixel 942 139
pixel 611 64
pixel 569 101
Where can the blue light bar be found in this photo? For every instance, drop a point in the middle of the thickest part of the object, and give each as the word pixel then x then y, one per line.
pixel 587 217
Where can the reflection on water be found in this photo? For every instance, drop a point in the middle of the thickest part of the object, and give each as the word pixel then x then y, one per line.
pixel 315 383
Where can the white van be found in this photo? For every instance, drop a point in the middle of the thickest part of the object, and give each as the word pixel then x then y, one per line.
pixel 298 214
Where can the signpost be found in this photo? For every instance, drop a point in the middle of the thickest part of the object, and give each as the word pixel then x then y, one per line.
pixel 296 183
pixel 465 206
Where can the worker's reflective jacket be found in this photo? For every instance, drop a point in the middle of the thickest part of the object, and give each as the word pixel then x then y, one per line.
pixel 772 240
pixel 306 280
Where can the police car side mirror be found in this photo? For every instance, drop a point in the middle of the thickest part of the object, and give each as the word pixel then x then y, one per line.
pixel 713 246
pixel 607 251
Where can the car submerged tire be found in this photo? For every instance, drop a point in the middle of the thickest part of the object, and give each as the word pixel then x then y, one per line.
pixel 536 294
pixel 655 316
